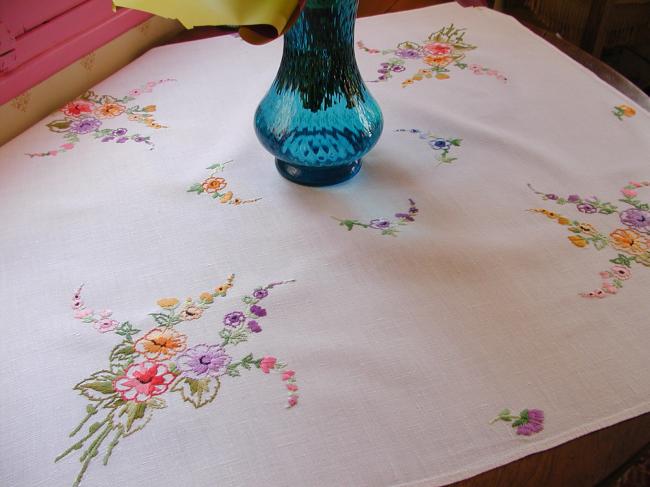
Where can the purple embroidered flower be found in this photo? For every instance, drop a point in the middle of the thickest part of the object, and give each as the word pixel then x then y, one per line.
pixel 398 68
pixel 573 198
pixel 586 208
pixel 408 53
pixel 140 138
pixel 637 219
pixel 383 70
pixel 258 311
pixel 413 210
pixel 439 144
pixel 551 196
pixel 85 125
pixel 234 319
pixel 379 223
pixel 121 140
pixel 254 326
pixel 530 421
pixel 260 293
pixel 203 361
pixel 107 139
pixel 119 132
pixel 405 216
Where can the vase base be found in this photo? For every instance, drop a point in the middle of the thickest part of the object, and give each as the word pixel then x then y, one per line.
pixel 317 176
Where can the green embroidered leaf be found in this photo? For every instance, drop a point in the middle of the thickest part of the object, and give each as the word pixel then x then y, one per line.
pixel 59 125
pixel 134 412
pixel 232 372
pixel 127 331
pixel 121 357
pixel 98 386
pixel 218 166
pixel 198 392
pixel 600 242
pixel 455 142
pixel 165 319
pixel 622 260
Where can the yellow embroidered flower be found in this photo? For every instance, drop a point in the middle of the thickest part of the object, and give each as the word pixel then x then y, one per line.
pixel 588 229
pixel 149 108
pixel 629 241
pixel 167 303
pixel 109 110
pixel 578 241
pixel 226 197
pixel 161 343
pixel 212 185
pixel 552 215
pixel 206 298
pixel 442 76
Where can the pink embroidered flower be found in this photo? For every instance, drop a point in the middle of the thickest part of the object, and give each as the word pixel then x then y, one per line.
pixel 143 381
pixel 82 313
pixel 288 374
pixel 635 184
pixel 597 293
pixel 605 274
pixel 293 400
pixel 267 363
pixel 438 48
pixel 292 387
pixel 609 288
pixel 77 303
pixel 67 146
pixel 630 193
pixel 105 325
pixel 135 92
pixel 532 421
pixel 621 272
pixel 105 313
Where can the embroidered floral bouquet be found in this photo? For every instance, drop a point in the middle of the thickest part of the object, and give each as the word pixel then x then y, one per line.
pixel 142 372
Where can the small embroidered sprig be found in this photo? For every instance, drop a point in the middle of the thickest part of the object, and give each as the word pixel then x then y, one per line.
pixel 612 281
pixel 621 111
pixel 529 421
pixel 213 186
pixel 584 205
pixel 441 144
pixel 384 225
pixel 585 233
pixel 101 319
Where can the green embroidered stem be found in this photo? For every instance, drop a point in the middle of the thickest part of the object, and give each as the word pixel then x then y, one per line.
pixel 247 362
pixel 111 445
pixel 91 410
pixel 349 224
pixel 91 431
pixel 91 453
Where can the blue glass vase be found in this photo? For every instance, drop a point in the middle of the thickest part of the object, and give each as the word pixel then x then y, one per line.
pixel 318 118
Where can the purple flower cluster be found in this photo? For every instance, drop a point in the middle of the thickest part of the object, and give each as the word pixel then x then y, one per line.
pixel 385 70
pixel 85 125
pixel 234 319
pixel 203 361
pixel 258 311
pixel 532 421
pixel 636 219
pixel 379 223
pixel 408 53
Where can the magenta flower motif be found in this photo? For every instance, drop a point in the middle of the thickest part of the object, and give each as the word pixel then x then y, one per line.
pixel 573 198
pixel 531 421
pixel 254 326
pixel 85 125
pixel 260 293
pixel 234 319
pixel 586 208
pixel 637 219
pixel 203 361
pixel 258 311
pixel 379 223
pixel 528 422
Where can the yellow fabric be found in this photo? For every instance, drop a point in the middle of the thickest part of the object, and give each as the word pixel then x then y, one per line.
pixel 275 13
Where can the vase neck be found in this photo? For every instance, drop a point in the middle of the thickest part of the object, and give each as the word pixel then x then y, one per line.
pixel 323 24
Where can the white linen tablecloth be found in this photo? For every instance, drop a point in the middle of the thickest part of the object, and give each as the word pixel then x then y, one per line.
pixel 407 334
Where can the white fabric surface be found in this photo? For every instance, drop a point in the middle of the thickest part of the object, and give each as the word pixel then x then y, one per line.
pixel 404 347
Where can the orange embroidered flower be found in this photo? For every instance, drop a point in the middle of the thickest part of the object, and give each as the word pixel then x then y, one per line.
pixel 161 343
pixel 627 110
pixel 212 185
pixel 206 298
pixel 563 220
pixel 442 76
pixel 438 60
pixel 226 197
pixel 629 241
pixel 149 108
pixel 578 241
pixel 167 303
pixel 109 110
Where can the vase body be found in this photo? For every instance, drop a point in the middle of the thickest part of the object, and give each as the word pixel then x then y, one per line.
pixel 318 118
